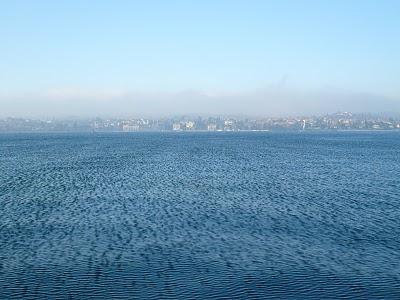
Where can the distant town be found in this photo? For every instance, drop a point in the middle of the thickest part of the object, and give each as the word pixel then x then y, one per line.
pixel 337 121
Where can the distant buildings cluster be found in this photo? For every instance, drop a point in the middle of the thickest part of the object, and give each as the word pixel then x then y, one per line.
pixel 338 121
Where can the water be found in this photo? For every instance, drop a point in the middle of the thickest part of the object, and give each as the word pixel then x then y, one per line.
pixel 202 215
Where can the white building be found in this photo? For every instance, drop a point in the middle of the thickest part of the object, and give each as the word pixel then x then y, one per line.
pixel 130 128
pixel 189 125
pixel 176 126
pixel 211 127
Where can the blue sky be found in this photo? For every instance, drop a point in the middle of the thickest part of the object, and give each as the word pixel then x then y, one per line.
pixel 209 46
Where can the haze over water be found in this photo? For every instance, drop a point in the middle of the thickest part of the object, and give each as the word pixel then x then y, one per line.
pixel 155 58
pixel 200 215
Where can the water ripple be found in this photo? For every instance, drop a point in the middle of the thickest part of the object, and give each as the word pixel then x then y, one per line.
pixel 224 216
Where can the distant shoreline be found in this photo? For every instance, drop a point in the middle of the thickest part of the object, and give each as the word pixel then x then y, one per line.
pixel 201 131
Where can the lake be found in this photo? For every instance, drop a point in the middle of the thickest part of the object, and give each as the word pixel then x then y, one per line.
pixel 225 215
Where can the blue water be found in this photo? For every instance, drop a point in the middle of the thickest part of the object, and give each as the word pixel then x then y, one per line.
pixel 200 215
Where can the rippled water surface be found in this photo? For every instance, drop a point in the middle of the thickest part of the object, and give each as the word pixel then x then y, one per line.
pixel 201 215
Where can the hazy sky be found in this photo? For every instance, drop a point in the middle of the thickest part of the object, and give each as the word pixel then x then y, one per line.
pixel 141 57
